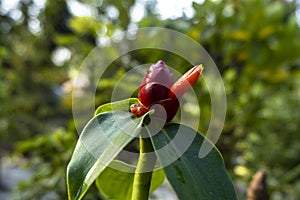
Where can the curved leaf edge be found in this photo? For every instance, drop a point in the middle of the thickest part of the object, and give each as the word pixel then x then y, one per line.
pixel 219 160
pixel 116 106
pixel 84 187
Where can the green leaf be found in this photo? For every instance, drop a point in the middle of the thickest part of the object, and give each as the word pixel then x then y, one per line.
pixel 116 181
pixel 115 106
pixel 100 142
pixel 192 177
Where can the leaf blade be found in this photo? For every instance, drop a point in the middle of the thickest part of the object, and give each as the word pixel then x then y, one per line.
pixel 190 176
pixel 101 140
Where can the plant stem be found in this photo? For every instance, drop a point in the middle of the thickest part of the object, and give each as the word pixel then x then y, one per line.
pixel 143 173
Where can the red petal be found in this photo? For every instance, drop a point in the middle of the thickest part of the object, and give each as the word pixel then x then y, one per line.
pixel 170 106
pixel 185 82
pixel 152 93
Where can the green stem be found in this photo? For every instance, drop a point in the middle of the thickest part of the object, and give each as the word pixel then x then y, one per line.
pixel 142 179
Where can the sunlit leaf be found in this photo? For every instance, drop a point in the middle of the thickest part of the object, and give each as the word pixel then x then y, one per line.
pixel 85 25
pixel 115 106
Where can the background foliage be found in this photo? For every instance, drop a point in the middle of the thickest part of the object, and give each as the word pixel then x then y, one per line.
pixel 254 43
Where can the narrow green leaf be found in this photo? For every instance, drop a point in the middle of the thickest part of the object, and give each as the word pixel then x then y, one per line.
pixel 100 142
pixel 116 106
pixel 116 181
pixel 177 148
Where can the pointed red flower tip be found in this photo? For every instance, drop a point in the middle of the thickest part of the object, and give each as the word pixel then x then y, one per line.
pixel 185 82
pixel 157 88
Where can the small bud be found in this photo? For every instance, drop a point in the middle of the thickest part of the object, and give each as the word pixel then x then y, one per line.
pixel 138 110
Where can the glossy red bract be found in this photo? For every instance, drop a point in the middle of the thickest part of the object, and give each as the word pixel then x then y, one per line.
pixel 159 88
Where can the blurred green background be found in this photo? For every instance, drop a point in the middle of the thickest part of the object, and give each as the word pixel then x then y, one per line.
pixel 254 43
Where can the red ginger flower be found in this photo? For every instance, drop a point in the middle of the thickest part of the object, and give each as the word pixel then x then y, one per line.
pixel 158 87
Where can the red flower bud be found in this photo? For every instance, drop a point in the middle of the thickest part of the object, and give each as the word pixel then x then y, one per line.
pixel 156 84
pixel 157 88
pixel 152 92
pixel 159 73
